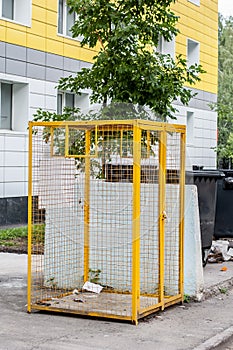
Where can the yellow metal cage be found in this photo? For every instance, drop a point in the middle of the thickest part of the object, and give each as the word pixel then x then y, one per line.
pixel 106 207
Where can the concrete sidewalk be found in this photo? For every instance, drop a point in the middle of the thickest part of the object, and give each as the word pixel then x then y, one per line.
pixel 190 326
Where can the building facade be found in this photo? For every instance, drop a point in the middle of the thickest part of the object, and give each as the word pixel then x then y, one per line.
pixel 36 49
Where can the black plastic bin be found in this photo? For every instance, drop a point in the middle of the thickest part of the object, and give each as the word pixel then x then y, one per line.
pixel 224 207
pixel 206 182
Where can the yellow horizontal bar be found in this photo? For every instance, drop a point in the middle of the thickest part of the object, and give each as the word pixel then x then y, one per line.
pixel 105 124
pixel 80 312
pixel 149 310
pixel 173 298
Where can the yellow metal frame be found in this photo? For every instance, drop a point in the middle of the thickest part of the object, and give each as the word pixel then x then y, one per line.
pixel 137 126
pixel 162 215
pixel 87 207
pixel 29 218
pixel 136 224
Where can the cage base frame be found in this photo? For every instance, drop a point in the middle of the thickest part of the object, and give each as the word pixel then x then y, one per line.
pixel 79 311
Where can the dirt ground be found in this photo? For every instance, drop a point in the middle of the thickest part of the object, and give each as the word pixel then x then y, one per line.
pixel 20 246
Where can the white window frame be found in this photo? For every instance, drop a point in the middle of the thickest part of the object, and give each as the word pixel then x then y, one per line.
pixel 22 12
pixel 193 52
pixel 7 103
pixel 190 128
pixel 80 101
pixel 195 2
pixel 19 106
pixel 166 47
pixel 62 27
pixel 62 101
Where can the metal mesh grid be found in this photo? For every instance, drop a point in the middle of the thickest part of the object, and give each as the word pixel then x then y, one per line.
pixel 92 188
pixel 172 234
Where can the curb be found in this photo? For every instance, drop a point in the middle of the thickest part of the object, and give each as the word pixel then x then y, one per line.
pixel 222 337
pixel 211 343
pixel 216 289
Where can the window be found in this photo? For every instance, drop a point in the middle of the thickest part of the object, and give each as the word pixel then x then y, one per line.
pixel 193 50
pixel 190 127
pixel 13 106
pixel 166 47
pixel 195 2
pixel 67 99
pixel 16 10
pixel 8 9
pixel 6 106
pixel 65 19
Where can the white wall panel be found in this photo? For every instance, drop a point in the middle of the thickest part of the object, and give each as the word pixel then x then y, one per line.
pixel 14 189
pixel 14 159
pixel 1 190
pixel 15 143
pixel 14 174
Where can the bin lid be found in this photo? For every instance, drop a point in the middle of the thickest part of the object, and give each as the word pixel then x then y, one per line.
pixel 211 174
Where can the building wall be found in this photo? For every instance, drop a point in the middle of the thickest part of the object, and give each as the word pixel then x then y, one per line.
pixel 34 56
pixel 200 23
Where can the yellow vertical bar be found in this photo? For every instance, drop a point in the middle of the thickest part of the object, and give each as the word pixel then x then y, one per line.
pixel 87 206
pixel 67 141
pixel 29 216
pixel 52 141
pixel 181 225
pixel 162 213
pixel 148 143
pixel 121 143
pixel 136 223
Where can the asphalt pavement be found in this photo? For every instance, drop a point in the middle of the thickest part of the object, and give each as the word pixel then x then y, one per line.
pixel 196 325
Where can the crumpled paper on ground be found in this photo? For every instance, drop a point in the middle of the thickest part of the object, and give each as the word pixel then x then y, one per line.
pixel 220 251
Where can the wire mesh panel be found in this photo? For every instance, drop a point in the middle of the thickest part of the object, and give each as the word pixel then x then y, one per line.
pixel 105 217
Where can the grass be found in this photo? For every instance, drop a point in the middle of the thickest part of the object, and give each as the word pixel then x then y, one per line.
pixel 223 290
pixel 15 236
pixel 187 298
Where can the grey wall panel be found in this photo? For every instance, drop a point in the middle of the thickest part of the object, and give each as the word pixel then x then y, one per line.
pixel 16 52
pixel 36 57
pixel 36 71
pixel 85 64
pixel 71 65
pixel 202 100
pixel 2 49
pixel 2 65
pixel 54 61
pixel 15 67
pixel 53 74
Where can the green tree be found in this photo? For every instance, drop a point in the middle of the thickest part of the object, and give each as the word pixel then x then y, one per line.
pixel 224 105
pixel 127 68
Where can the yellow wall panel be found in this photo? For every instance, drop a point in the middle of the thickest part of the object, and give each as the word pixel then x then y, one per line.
pixel 36 42
pixel 55 47
pixel 39 13
pixel 16 37
pixel 38 28
pixel 73 52
pixel 2 31
pixel 52 5
pixel 41 3
pixel 16 26
pixel 52 18
pixel 52 33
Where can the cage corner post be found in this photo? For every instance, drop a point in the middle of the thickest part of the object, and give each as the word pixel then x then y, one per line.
pixel 87 207
pixel 162 213
pixel 181 222
pixel 29 217
pixel 136 224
